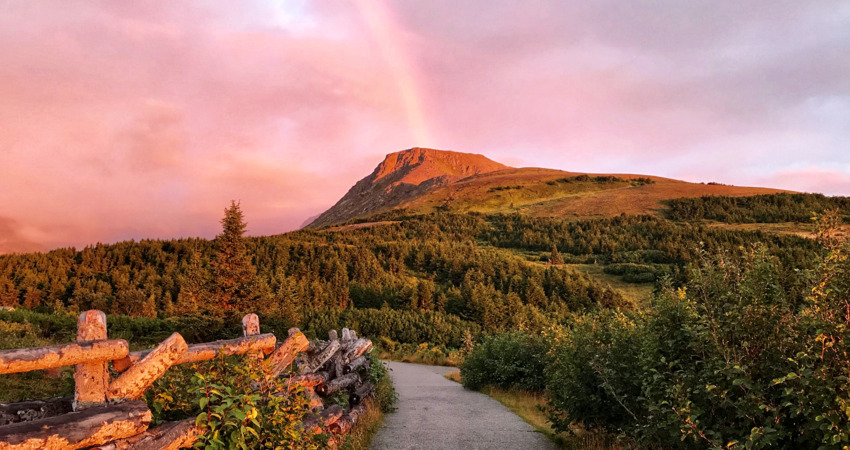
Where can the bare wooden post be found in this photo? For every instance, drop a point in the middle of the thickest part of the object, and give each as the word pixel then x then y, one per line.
pixel 345 335
pixel 250 325
pixel 293 330
pixel 90 379
pixel 133 383
pixel 332 336
pixel 283 356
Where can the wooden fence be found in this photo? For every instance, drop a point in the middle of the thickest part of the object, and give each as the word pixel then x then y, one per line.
pixel 106 413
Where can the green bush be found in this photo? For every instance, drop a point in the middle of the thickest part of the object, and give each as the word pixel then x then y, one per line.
pixel 732 361
pixel 508 361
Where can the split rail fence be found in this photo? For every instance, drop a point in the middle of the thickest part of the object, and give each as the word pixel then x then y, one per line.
pixel 106 413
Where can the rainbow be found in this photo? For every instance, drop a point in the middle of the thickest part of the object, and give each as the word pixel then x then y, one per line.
pixel 386 32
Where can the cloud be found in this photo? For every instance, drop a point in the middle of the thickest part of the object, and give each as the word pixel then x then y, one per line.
pixel 144 119
pixel 12 239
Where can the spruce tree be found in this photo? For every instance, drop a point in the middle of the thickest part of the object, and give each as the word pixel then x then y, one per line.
pixel 555 258
pixel 233 272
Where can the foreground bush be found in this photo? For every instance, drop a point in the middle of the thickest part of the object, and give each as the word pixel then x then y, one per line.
pixel 732 361
pixel 508 361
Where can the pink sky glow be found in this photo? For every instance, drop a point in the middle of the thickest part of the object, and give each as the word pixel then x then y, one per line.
pixel 129 120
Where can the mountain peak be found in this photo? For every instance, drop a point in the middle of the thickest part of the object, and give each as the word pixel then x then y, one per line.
pixel 403 175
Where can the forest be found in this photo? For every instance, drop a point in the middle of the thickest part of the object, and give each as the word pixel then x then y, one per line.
pixel 770 208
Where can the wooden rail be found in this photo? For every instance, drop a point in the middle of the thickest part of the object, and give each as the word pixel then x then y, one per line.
pixel 106 414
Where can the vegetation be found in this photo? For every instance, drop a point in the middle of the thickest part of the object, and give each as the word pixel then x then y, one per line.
pixel 730 360
pixel 772 208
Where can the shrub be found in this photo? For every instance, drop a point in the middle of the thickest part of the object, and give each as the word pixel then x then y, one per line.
pixel 508 361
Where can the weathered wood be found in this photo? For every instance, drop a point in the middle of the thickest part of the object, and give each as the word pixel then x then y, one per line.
pixel 38 358
pixel 343 424
pixel 90 379
pixel 332 335
pixel 133 383
pixel 361 393
pixel 93 426
pixel 319 359
pixel 354 365
pixel 328 416
pixel 357 349
pixel 209 350
pixel 280 360
pixel 316 402
pixel 352 335
pixel 169 436
pixel 308 379
pixel 345 335
pixel 36 409
pixel 292 331
pixel 250 325
pixel 337 384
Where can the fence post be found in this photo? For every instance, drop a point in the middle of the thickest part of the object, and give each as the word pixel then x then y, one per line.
pixel 251 327
pixel 90 379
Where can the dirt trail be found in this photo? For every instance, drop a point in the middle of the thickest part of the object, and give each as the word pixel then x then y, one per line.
pixel 435 413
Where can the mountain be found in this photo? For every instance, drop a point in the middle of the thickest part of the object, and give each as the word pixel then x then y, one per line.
pixel 403 176
pixel 425 180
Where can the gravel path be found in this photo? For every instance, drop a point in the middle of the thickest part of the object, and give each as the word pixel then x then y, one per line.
pixel 435 413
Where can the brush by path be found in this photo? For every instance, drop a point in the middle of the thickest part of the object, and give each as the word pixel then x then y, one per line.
pixel 435 413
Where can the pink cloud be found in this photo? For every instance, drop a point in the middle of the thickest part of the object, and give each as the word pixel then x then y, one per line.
pixel 144 119
pixel 811 179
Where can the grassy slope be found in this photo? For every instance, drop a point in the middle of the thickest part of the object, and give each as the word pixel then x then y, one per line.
pixel 531 191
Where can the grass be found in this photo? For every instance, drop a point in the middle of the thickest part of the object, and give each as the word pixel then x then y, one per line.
pixel 418 354
pixel 636 294
pixel 360 436
pixel 530 406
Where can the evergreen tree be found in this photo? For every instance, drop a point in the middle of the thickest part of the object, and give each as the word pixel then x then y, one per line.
pixel 555 258
pixel 233 273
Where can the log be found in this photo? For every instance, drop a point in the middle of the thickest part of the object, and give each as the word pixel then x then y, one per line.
pixel 354 365
pixel 361 393
pixel 169 436
pixel 337 384
pixel 90 379
pixel 357 349
pixel 328 416
pixel 308 379
pixel 209 350
pixel 280 360
pixel 36 409
pixel 38 358
pixel 133 383
pixel 343 424
pixel 316 402
pixel 93 426
pixel 250 325
pixel 314 363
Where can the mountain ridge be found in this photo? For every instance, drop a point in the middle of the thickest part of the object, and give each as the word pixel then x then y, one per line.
pixel 424 180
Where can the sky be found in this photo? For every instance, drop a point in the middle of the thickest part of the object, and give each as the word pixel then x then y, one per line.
pixel 131 120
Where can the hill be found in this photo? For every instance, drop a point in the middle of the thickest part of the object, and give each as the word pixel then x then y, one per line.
pixel 425 180
pixel 403 176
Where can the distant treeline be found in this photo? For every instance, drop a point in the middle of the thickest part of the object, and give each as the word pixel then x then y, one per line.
pixel 769 208
pixel 602 179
